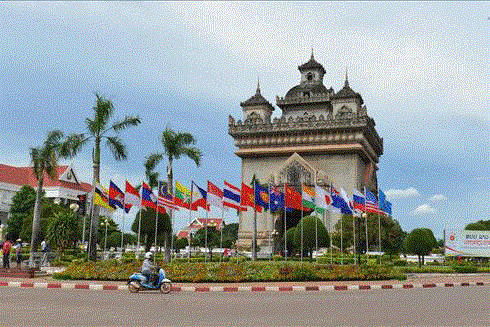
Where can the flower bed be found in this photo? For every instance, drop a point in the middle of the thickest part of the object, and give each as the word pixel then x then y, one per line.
pixel 232 271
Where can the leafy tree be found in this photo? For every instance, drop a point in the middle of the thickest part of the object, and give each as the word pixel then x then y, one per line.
pixel 175 144
pixel 420 241
pixel 230 235
pixel 63 230
pixel 45 163
pixel 22 207
pixel 479 225
pixel 392 235
pixel 311 227
pixel 180 243
pixel 290 245
pixel 48 211
pixel 211 238
pixel 148 216
pixel 99 129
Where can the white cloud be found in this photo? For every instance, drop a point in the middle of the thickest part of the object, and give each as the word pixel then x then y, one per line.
pixel 423 210
pixel 437 198
pixel 407 193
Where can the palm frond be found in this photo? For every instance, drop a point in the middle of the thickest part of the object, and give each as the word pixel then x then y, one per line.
pixel 117 148
pixel 128 121
pixel 103 111
pixel 53 139
pixel 194 154
pixel 184 139
pixel 152 161
pixel 72 145
pixel 37 163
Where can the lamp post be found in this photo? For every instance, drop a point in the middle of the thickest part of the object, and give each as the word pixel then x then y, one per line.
pixel 105 223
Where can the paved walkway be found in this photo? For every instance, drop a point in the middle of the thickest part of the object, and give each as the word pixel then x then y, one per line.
pixel 413 281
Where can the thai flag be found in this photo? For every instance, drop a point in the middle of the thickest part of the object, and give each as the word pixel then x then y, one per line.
pixel 148 199
pixel 231 197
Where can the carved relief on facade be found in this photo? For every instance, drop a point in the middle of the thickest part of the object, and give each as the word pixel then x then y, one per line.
pixel 295 171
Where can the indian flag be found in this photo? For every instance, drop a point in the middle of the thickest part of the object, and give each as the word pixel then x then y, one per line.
pixel 308 197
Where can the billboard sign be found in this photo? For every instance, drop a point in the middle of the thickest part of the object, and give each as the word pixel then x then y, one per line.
pixel 467 243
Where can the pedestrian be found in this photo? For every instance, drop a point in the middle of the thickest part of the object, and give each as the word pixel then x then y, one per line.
pixel 44 250
pixel 7 245
pixel 18 252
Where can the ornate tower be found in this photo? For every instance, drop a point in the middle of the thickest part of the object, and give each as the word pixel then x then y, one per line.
pixel 322 137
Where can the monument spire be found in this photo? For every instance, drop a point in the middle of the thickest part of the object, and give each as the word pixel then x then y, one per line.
pixel 346 83
pixel 258 85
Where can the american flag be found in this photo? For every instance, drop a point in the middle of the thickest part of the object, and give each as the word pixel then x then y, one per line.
pixel 372 203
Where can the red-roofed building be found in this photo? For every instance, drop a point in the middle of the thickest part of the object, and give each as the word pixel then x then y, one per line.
pixel 199 223
pixel 64 189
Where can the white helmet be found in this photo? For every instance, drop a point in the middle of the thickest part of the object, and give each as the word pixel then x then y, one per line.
pixel 148 255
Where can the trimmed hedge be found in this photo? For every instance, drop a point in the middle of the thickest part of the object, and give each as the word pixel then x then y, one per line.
pixel 232 271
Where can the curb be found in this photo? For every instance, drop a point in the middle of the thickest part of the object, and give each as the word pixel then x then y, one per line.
pixel 253 289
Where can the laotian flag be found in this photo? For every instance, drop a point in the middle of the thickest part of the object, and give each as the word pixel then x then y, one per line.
pixel 148 199
pixel 116 197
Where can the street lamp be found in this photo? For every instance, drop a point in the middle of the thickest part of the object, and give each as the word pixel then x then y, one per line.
pixel 105 223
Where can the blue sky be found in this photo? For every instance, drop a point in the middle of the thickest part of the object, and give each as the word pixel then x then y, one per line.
pixel 422 69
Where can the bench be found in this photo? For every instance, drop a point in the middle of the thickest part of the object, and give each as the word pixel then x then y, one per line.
pixel 38 259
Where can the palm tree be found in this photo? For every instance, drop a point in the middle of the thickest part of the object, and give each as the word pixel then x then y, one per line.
pixel 175 144
pixel 98 129
pixel 45 162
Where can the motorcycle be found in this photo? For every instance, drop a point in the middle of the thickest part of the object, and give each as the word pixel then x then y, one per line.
pixel 138 282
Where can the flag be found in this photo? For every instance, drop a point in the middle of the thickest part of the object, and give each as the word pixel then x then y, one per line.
pixel 101 197
pixel 339 203
pixel 199 198
pixel 182 196
pixel 131 197
pixel 321 201
pixel 247 198
pixel 215 195
pixel 347 209
pixel 116 197
pixel 384 205
pixel 358 201
pixel 231 197
pixel 165 199
pixel 292 199
pixel 276 199
pixel 308 195
pixel 261 195
pixel 371 203
pixel 148 199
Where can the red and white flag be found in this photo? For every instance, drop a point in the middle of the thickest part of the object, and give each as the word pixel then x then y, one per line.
pixel 131 196
pixel 215 195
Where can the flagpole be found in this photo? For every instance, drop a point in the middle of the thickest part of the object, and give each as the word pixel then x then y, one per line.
pixel 285 227
pixel 366 222
pixel 221 235
pixel 354 236
pixel 254 236
pixel 122 224
pixel 139 233
pixel 272 223
pixel 190 221
pixel 379 225
pixel 206 234
pixel 156 216
pixel 330 226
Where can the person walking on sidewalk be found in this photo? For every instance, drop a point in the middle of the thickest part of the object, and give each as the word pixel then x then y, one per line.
pixel 18 252
pixel 44 250
pixel 6 246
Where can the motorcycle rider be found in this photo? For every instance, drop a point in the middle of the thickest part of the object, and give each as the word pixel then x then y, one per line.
pixel 147 268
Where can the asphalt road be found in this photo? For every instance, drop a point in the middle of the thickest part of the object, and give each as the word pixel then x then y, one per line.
pixel 456 306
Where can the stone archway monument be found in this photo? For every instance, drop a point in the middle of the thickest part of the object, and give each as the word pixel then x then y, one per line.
pixel 323 137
